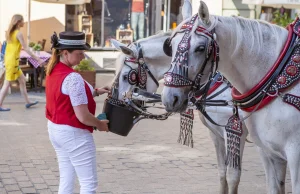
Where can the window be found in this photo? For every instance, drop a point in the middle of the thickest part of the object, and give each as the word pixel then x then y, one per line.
pixel 124 20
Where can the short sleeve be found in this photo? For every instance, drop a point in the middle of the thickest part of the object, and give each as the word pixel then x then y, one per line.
pixel 73 85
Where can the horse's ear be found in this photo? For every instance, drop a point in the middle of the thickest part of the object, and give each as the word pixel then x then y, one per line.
pixel 117 44
pixel 186 9
pixel 203 13
pixel 128 51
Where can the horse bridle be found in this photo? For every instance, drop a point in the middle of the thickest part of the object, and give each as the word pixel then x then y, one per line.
pixel 139 77
pixel 179 75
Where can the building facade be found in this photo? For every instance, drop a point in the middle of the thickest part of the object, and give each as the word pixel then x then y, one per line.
pixel 101 20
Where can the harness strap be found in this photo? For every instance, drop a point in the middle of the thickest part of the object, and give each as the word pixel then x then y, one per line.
pixel 218 93
pixel 257 96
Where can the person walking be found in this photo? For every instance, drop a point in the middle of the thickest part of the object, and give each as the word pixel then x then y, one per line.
pixel 70 110
pixel 15 41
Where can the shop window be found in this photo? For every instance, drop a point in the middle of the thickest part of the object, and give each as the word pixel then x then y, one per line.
pixel 124 20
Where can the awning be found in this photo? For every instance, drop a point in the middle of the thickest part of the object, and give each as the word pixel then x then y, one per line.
pixel 68 2
pixel 289 4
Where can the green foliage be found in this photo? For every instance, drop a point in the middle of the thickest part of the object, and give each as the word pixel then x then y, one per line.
pixel 37 47
pixel 85 65
pixel 31 44
pixel 281 20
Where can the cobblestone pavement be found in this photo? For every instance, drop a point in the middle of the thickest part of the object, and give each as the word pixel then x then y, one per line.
pixel 148 160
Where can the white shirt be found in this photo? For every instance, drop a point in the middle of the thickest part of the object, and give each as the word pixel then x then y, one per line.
pixel 73 86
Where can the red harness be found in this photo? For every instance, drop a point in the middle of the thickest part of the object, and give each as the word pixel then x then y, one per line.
pixel 236 95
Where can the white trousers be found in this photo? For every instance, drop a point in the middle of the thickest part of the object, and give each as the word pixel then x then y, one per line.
pixel 76 153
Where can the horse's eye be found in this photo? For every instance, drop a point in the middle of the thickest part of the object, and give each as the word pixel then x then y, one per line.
pixel 200 48
pixel 125 77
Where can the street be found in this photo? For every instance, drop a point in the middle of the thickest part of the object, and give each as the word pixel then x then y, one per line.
pixel 148 160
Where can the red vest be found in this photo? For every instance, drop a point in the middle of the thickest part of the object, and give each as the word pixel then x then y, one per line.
pixel 59 109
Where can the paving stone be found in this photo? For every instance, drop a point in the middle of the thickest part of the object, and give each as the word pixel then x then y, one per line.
pixel 49 177
pixel 16 168
pixel 9 181
pixel 37 162
pixel 15 192
pixel 25 184
pixel 51 182
pixel 53 188
pixel 45 191
pixel 3 191
pixel 13 187
pixel 40 186
pixel 22 178
pixel 5 175
pixel 27 165
pixel 19 173
pixel 42 167
pixel 37 180
pixel 4 170
pixel 29 190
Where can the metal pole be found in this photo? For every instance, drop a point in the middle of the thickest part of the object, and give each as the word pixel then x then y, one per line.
pixel 102 24
pixel 28 22
pixel 169 16
pixel 158 15
pixel 165 15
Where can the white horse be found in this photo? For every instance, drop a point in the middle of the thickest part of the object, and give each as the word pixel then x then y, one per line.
pixel 158 63
pixel 248 50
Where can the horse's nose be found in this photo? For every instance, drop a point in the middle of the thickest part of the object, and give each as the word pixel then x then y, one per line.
pixel 175 101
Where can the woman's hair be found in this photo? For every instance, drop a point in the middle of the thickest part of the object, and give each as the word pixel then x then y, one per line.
pixel 55 59
pixel 15 21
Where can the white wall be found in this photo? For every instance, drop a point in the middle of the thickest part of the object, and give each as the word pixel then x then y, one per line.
pixel 38 11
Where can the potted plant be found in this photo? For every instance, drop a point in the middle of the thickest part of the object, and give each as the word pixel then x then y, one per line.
pixel 31 45
pixel 87 71
pixel 281 19
pixel 37 48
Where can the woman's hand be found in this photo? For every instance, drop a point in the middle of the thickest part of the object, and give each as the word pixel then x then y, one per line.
pixel 102 125
pixel 100 91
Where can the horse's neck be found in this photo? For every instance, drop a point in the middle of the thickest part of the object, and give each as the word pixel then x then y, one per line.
pixel 248 50
pixel 156 59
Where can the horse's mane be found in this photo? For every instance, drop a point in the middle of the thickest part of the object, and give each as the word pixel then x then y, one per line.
pixel 251 33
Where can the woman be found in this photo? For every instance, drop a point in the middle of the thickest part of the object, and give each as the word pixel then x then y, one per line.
pixel 70 110
pixel 15 42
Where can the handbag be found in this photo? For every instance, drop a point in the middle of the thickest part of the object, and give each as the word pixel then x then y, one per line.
pixel 2 53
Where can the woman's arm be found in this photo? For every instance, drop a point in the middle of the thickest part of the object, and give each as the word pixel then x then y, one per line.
pixel 74 86
pixel 103 90
pixel 84 116
pixel 25 47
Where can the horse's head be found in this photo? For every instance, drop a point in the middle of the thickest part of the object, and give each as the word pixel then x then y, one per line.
pixel 192 47
pixel 142 64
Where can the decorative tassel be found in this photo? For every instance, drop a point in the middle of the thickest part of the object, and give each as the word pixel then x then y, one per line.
pixel 234 133
pixel 186 128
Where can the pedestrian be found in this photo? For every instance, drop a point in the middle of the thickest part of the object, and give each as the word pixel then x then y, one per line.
pixel 70 110
pixel 15 41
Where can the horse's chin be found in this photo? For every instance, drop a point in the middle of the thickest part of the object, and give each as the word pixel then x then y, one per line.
pixel 178 109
